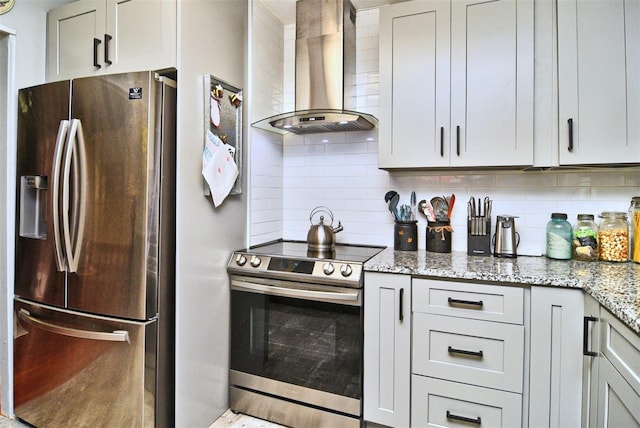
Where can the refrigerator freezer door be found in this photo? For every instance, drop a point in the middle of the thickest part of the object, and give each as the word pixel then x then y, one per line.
pixel 116 272
pixel 42 111
pixel 74 370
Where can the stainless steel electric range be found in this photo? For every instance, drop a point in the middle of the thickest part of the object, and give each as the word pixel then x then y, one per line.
pixel 297 333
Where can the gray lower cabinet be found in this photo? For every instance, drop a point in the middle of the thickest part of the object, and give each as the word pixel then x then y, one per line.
pixel 467 354
pixel 555 353
pixel 387 345
pixel 618 374
pixel 590 351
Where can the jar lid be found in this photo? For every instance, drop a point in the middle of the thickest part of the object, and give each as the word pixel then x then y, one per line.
pixel 613 214
pixel 585 217
pixel 562 216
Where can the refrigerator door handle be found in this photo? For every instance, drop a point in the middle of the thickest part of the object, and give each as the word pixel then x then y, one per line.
pixel 115 336
pixel 55 197
pixel 74 211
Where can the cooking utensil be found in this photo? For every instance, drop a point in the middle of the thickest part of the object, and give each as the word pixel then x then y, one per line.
pixel 393 206
pixel 413 205
pixel 440 207
pixel 451 203
pixel 389 195
pixel 392 197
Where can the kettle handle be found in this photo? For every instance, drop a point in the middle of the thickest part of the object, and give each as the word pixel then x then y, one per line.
pixel 320 209
pixel 517 239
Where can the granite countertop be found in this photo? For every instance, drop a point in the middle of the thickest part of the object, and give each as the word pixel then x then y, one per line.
pixel 615 285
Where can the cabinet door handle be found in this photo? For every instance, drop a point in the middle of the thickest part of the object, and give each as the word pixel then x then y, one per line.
pixel 585 337
pixel 458 140
pixel 107 39
pixel 96 43
pixel 570 122
pixel 442 141
pixel 401 308
pixel 477 303
pixel 476 421
pixel 478 354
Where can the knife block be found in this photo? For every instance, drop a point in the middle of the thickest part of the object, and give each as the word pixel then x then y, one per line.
pixel 479 245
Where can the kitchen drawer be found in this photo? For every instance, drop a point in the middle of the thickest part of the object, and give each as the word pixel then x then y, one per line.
pixel 476 352
pixel 469 300
pixel 622 347
pixel 436 402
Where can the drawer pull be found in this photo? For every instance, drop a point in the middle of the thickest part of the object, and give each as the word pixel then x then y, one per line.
pixel 476 421
pixel 401 308
pixel 453 301
pixel 478 354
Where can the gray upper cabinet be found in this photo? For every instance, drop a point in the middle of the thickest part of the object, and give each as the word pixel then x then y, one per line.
pixel 88 37
pixel 599 81
pixel 456 84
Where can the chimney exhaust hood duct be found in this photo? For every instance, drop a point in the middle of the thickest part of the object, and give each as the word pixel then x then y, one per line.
pixel 325 72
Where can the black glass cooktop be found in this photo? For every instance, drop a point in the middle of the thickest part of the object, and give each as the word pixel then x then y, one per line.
pixel 299 249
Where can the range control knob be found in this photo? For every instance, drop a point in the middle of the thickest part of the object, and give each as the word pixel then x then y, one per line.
pixel 255 261
pixel 346 270
pixel 241 260
pixel 328 268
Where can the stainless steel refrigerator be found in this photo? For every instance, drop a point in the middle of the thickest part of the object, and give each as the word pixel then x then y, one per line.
pixel 95 252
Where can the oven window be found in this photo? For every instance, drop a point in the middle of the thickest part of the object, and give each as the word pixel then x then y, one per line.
pixel 310 344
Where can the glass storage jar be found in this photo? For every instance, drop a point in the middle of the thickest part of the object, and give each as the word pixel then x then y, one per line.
pixel 634 234
pixel 585 239
pixel 613 237
pixel 559 237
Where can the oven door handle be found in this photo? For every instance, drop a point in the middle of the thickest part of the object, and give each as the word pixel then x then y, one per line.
pixel 296 292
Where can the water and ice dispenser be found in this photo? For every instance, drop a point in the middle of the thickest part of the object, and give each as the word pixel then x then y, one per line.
pixel 33 204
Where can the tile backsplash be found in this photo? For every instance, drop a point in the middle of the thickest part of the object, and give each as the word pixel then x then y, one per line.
pixel 343 175
pixel 291 175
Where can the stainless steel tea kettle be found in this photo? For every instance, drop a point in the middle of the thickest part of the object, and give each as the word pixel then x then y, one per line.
pixel 322 237
pixel 506 239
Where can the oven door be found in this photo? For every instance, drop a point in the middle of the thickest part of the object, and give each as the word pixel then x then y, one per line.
pixel 298 342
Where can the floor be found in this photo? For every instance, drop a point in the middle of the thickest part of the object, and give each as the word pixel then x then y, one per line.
pixel 227 420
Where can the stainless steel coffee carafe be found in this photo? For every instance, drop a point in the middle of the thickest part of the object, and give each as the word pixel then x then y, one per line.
pixel 506 239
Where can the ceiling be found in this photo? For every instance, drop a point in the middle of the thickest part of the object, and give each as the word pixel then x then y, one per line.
pixel 286 9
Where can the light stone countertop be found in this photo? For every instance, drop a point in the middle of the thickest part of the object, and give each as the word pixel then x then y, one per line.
pixel 615 285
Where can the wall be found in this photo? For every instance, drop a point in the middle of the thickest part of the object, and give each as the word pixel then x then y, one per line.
pixel 29 20
pixel 340 171
pixel 267 96
pixel 8 111
pixel 212 41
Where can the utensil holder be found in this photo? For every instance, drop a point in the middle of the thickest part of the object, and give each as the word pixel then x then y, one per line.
pixel 479 245
pixel 439 236
pixel 405 235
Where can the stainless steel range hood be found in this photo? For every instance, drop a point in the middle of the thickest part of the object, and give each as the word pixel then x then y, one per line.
pixel 325 72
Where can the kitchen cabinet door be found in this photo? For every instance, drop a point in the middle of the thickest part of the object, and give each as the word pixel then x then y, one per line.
pixel 143 34
pixel 387 349
pixel 617 401
pixel 456 84
pixel 555 372
pixel 90 37
pixel 599 88
pixel 414 84
pixel 74 39
pixel 491 83
pixel 590 351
